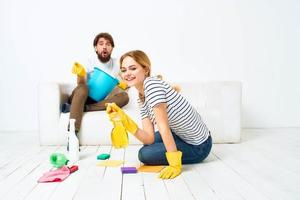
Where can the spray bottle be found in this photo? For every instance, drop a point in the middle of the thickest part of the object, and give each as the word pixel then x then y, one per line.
pixel 73 143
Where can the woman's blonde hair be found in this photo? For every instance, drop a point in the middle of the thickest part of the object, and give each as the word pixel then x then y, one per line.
pixel 141 58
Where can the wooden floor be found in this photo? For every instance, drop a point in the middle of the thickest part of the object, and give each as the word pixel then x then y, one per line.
pixel 265 165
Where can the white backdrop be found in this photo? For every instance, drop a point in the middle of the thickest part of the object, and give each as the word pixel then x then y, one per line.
pixel 252 41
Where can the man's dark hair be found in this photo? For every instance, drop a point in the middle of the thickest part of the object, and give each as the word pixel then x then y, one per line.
pixel 107 36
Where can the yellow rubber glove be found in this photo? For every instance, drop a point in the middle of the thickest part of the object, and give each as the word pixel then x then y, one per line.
pixel 122 85
pixel 119 136
pixel 174 168
pixel 78 69
pixel 129 124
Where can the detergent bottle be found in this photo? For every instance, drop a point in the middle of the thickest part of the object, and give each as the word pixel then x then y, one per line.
pixel 58 160
pixel 73 143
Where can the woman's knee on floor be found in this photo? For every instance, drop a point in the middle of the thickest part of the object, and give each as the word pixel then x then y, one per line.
pixel 151 155
pixel 144 154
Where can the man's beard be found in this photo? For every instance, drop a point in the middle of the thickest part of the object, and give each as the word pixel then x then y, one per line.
pixel 103 59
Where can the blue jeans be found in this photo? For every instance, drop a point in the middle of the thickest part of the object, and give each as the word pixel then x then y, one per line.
pixel 154 154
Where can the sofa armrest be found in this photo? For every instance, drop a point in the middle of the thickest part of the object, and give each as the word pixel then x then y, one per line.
pixel 230 109
pixel 50 98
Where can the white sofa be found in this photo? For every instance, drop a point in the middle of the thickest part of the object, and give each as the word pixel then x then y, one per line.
pixel 219 104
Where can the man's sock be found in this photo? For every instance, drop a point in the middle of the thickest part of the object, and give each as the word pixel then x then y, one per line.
pixel 86 108
pixel 66 107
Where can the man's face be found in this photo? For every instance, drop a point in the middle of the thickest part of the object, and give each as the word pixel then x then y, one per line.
pixel 103 49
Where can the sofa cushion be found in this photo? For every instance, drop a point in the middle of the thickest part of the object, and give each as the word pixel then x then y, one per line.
pixel 219 104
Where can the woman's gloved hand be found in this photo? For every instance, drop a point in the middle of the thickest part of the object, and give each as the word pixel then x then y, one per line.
pixel 78 69
pixel 112 109
pixel 174 168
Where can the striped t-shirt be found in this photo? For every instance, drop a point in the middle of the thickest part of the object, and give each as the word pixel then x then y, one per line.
pixel 184 120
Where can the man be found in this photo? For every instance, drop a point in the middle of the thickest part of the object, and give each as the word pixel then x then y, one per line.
pixel 79 101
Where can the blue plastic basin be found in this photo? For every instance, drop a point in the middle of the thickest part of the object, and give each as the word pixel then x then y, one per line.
pixel 100 84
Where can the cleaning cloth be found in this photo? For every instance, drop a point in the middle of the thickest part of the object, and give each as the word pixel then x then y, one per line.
pixel 151 168
pixel 110 163
pixel 57 175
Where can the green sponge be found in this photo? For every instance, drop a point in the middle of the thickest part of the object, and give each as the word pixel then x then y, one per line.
pixel 103 156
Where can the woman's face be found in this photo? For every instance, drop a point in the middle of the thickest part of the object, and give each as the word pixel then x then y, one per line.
pixel 132 72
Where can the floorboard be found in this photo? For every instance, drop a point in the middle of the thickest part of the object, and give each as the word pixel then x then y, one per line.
pixel 264 166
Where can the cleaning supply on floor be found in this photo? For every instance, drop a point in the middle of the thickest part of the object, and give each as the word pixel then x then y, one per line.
pixel 58 160
pixel 128 170
pixel 110 163
pixel 151 168
pixel 57 175
pixel 103 156
pixel 73 143
pixel 119 136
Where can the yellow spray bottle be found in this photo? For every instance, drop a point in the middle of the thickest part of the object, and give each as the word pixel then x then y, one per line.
pixel 119 135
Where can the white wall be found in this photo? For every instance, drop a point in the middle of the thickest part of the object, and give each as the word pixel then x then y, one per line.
pixel 254 41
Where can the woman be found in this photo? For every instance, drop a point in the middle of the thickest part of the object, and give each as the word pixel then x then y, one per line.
pixel 182 137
